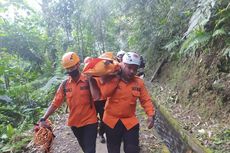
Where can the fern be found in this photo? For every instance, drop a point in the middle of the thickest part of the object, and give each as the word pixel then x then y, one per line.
pixel 220 22
pixel 223 17
pixel 196 39
pixel 11 114
pixel 219 32
pixel 226 52
pixel 172 44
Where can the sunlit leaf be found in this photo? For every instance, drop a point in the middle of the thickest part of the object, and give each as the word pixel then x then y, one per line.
pixel 4 136
pixel 9 130
pixel 219 32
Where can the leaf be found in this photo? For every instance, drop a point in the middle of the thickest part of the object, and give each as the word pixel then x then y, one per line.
pixel 196 39
pixel 219 32
pixel 2 34
pixel 220 22
pixel 4 136
pixel 227 133
pixel 6 148
pixel 171 45
pixel 218 142
pixel 227 52
pixel 9 130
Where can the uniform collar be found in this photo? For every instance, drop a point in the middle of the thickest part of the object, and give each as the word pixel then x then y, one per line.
pixel 82 78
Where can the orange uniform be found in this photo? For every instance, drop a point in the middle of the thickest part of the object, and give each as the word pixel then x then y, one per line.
pixel 78 99
pixel 122 99
pixel 99 81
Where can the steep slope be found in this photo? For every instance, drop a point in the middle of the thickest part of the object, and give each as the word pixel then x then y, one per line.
pixel 196 92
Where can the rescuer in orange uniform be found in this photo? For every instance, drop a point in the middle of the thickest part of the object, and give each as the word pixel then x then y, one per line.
pixel 122 92
pixel 82 116
pixel 100 103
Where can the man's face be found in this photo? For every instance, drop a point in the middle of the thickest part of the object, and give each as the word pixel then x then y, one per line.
pixel 70 69
pixel 129 70
pixel 73 71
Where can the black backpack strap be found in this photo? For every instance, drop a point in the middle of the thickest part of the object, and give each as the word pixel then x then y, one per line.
pixel 64 92
pixel 64 86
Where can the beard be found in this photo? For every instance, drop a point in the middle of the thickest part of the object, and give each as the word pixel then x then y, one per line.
pixel 74 73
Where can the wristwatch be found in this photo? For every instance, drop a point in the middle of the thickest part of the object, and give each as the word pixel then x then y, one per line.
pixel 42 119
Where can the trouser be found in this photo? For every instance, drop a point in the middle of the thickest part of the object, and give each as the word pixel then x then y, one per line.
pixel 118 133
pixel 86 137
pixel 99 105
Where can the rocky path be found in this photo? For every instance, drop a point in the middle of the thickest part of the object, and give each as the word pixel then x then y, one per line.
pixel 65 141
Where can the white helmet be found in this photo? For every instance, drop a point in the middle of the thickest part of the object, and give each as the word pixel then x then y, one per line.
pixel 131 58
pixel 87 59
pixel 120 53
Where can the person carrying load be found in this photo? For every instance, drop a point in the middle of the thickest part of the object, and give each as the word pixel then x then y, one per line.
pixel 82 114
pixel 104 64
pixel 122 91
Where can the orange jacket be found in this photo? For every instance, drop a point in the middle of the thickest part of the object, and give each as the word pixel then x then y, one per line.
pixel 122 99
pixel 99 82
pixel 78 100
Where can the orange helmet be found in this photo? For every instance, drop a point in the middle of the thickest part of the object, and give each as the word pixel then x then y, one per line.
pixel 107 56
pixel 69 59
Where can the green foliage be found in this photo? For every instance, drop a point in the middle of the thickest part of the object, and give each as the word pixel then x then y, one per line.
pixel 221 23
pixel 9 130
pixel 17 143
pixel 226 52
pixel 23 40
pixel 10 115
pixel 199 38
pixel 7 133
pixel 20 93
pixel 15 70
pixel 222 18
pixel 29 109
pixel 22 34
pixel 217 28
pixel 33 42
pixel 150 25
pixel 172 44
pixel 221 139
pixel 218 32
pixel 19 115
pixel 224 61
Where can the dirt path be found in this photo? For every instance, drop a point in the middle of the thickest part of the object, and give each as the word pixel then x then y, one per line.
pixel 65 141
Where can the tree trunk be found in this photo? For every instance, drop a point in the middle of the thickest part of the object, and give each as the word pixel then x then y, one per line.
pixel 6 81
pixel 157 71
pixel 81 41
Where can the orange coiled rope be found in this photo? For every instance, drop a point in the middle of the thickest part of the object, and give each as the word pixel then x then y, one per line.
pixel 43 137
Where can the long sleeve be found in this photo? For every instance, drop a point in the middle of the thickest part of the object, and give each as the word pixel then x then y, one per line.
pixel 59 96
pixel 146 101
